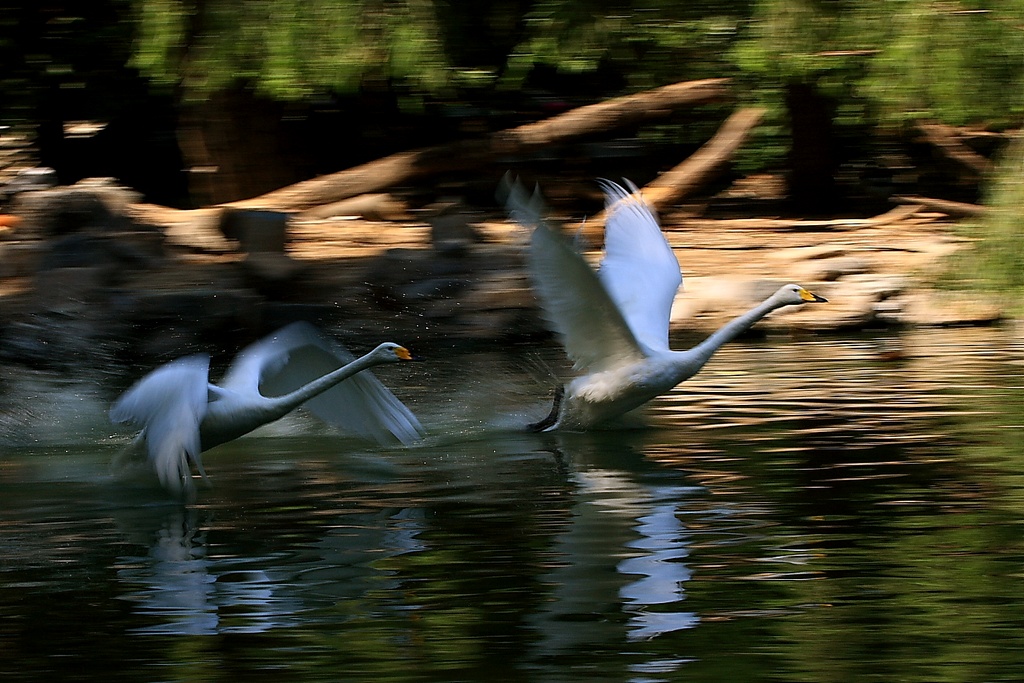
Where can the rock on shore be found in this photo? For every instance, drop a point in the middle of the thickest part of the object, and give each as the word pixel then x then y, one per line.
pixel 91 278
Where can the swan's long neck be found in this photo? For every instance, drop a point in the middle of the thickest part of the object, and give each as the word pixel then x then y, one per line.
pixel 293 400
pixel 734 328
pixel 224 424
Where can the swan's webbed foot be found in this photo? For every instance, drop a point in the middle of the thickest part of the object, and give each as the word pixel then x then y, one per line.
pixel 552 417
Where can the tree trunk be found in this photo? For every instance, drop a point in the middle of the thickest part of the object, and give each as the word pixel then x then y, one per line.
pixel 812 158
pixel 234 146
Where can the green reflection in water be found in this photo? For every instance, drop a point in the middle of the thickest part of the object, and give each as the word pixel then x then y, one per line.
pixel 801 512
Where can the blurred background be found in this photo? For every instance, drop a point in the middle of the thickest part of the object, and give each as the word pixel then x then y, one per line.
pixel 198 104
pixel 193 103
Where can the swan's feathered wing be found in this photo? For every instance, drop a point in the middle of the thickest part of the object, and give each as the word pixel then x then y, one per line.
pixel 169 404
pixel 573 299
pixel 297 354
pixel 639 270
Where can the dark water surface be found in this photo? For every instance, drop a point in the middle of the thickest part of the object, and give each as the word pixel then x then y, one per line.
pixel 804 510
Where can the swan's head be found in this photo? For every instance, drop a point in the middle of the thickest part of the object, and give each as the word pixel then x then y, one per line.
pixel 389 352
pixel 789 295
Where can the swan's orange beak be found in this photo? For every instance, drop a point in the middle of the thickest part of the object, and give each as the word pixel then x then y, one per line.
pixel 404 354
pixel 811 297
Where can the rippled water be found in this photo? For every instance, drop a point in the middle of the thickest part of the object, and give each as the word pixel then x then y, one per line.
pixel 804 510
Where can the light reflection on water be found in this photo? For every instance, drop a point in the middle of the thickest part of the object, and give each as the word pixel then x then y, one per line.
pixel 806 511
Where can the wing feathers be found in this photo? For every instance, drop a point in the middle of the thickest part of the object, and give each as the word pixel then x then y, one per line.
pixel 573 299
pixel 361 404
pixel 639 270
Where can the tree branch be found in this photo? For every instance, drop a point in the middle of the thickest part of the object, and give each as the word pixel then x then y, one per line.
pixel 405 166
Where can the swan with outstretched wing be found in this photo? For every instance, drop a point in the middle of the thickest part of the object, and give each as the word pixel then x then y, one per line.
pixel 181 413
pixel 614 321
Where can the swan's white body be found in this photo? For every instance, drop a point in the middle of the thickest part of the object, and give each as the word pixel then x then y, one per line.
pixel 182 414
pixel 614 322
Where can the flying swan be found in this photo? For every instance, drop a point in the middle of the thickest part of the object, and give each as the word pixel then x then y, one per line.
pixel 614 322
pixel 181 414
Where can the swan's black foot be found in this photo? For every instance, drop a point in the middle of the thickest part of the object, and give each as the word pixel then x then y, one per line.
pixel 552 417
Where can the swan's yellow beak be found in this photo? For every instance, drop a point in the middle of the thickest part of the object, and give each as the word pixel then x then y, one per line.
pixel 403 353
pixel 811 297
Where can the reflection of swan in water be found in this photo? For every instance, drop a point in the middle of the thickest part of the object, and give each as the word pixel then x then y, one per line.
pixel 660 568
pixel 182 589
pixel 185 593
pixel 624 544
pixel 181 414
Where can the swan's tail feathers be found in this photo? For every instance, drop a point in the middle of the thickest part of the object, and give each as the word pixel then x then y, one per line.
pixel 552 418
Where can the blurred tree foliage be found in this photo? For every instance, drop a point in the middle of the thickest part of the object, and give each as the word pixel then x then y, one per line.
pixel 959 61
pixel 832 73
pixel 997 260
pixel 295 48
pixel 289 49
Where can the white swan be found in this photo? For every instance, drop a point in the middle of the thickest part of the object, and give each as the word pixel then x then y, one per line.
pixel 181 414
pixel 614 322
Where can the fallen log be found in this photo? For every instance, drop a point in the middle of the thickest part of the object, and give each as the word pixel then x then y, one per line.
pixel 947 141
pixel 893 216
pixel 375 207
pixel 704 164
pixel 405 166
pixel 946 206
pixel 699 168
pixel 196 229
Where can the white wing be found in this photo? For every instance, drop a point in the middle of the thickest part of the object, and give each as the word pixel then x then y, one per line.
pixel 169 404
pixel 573 300
pixel 639 270
pixel 296 355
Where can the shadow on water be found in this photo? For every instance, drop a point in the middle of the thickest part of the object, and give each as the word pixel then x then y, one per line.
pixel 801 513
